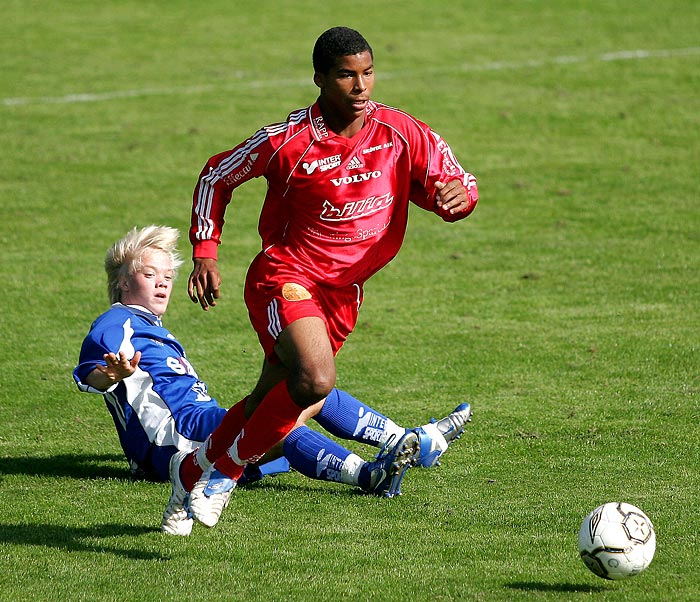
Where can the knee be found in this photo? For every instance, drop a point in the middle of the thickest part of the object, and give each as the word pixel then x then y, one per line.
pixel 311 385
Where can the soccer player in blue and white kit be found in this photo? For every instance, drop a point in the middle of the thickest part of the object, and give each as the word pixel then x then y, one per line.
pixel 160 406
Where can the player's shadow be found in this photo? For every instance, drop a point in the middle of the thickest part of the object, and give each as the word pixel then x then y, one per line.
pixel 279 483
pixel 77 466
pixel 97 538
pixel 87 539
pixel 114 466
pixel 565 588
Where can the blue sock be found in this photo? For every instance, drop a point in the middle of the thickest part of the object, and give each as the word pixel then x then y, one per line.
pixel 315 455
pixel 348 418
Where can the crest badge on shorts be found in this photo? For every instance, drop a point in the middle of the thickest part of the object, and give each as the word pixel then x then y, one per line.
pixel 295 292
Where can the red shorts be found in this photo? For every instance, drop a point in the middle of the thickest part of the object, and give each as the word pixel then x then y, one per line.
pixel 276 296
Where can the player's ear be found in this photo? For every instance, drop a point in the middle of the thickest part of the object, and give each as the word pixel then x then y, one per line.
pixel 318 79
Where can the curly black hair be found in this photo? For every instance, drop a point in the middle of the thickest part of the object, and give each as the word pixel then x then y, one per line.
pixel 335 42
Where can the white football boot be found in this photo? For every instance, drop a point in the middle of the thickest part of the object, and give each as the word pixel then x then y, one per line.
pixel 176 518
pixel 209 496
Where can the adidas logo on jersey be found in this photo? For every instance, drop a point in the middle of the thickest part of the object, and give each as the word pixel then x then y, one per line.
pixel 354 163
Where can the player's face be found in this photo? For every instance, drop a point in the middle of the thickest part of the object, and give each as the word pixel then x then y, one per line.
pixel 345 91
pixel 151 286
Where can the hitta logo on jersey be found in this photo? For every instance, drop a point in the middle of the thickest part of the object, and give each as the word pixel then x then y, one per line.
pixel 232 178
pixel 322 164
pixel 354 209
pixel 356 178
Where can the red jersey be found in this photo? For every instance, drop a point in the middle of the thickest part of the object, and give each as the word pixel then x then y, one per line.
pixel 336 208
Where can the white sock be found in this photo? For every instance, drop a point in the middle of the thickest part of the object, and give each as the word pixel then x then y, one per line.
pixel 350 472
pixel 391 429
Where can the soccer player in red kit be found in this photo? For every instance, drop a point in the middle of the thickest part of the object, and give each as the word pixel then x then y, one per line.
pixel 340 176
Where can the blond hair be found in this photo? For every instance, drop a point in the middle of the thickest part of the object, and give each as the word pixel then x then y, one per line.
pixel 125 257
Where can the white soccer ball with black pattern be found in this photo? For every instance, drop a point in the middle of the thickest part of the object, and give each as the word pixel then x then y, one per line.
pixel 616 541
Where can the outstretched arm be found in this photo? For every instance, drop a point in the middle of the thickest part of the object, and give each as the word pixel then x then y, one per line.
pixel 117 369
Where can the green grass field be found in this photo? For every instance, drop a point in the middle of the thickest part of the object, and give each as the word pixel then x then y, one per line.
pixel 565 309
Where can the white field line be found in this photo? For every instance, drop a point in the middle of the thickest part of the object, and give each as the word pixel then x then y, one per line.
pixel 243 84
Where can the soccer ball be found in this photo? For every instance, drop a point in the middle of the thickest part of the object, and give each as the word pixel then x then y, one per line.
pixel 616 541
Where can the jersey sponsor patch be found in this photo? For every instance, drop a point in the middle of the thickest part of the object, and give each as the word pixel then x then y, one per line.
pixel 295 292
pixel 322 164
pixel 449 162
pixel 355 209
pixel 373 149
pixel 356 178
pixel 233 177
